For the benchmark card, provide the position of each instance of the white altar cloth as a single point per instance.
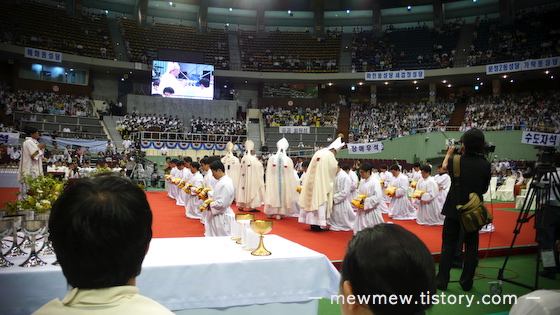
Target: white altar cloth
(197, 273)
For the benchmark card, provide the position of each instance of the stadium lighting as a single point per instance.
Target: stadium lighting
(409, 7)
(347, 11)
(230, 9)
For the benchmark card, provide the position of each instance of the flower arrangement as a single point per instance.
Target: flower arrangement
(358, 202)
(41, 195)
(101, 170)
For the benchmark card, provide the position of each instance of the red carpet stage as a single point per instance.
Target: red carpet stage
(170, 221)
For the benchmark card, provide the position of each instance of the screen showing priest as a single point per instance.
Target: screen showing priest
(182, 80)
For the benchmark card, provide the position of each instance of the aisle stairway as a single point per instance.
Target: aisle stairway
(112, 132)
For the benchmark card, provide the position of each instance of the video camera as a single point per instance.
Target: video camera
(489, 147)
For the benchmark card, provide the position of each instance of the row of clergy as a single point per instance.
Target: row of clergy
(325, 196)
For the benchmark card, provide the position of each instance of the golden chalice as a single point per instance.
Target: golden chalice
(238, 226)
(261, 227)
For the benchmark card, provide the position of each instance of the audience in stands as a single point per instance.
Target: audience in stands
(150, 122)
(538, 111)
(385, 121)
(326, 117)
(37, 102)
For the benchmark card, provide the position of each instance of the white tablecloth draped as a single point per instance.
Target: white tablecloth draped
(195, 273)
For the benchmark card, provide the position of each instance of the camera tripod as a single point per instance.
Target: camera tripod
(538, 194)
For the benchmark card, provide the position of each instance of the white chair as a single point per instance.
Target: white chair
(491, 192)
(505, 192)
(520, 199)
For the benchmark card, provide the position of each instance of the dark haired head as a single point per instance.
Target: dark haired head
(30, 130)
(416, 164)
(100, 227)
(473, 141)
(345, 167)
(187, 159)
(169, 90)
(180, 163)
(395, 167)
(388, 259)
(383, 167)
(366, 167)
(195, 165)
(426, 168)
(217, 165)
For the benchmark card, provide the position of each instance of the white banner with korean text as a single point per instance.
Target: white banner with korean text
(529, 64)
(365, 148)
(294, 129)
(9, 138)
(395, 75)
(43, 54)
(541, 138)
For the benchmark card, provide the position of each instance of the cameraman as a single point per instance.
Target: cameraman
(474, 177)
(548, 220)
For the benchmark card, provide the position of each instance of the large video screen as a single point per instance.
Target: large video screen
(182, 80)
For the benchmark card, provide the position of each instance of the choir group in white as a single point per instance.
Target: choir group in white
(325, 195)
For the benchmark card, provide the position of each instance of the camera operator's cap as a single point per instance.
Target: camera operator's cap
(337, 144)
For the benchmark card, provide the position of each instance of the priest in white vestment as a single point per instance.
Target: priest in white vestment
(400, 208)
(427, 191)
(31, 157)
(317, 189)
(280, 195)
(250, 190)
(232, 164)
(221, 216)
(192, 204)
(385, 178)
(342, 216)
(369, 186)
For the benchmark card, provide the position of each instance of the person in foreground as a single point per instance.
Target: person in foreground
(383, 261)
(474, 178)
(101, 228)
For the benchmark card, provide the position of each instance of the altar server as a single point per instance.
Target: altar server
(385, 178)
(400, 208)
(317, 190)
(369, 215)
(426, 193)
(192, 204)
(221, 215)
(281, 183)
(342, 216)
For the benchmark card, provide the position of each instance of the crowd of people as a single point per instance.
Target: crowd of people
(536, 111)
(136, 122)
(297, 116)
(35, 103)
(217, 126)
(385, 121)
